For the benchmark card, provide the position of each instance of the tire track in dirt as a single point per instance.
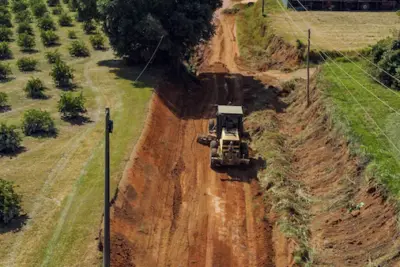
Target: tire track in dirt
(172, 209)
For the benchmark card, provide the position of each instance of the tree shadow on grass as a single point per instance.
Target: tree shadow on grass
(6, 80)
(13, 154)
(78, 120)
(15, 225)
(123, 71)
(4, 109)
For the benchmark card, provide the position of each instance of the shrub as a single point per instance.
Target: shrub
(26, 41)
(72, 5)
(5, 51)
(35, 88)
(66, 2)
(79, 49)
(46, 23)
(18, 6)
(386, 54)
(97, 41)
(49, 38)
(10, 140)
(65, 20)
(39, 9)
(24, 16)
(37, 122)
(5, 17)
(5, 34)
(71, 106)
(25, 27)
(89, 27)
(3, 100)
(10, 201)
(62, 74)
(53, 56)
(5, 71)
(57, 10)
(27, 64)
(72, 34)
(53, 2)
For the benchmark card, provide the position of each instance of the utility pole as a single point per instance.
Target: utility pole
(106, 249)
(263, 7)
(308, 69)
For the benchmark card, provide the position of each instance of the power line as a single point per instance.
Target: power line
(337, 77)
(358, 66)
(151, 58)
(386, 104)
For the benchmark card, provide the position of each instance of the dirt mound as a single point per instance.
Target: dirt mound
(343, 233)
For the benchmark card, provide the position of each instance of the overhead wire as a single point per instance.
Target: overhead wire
(369, 91)
(347, 89)
(359, 54)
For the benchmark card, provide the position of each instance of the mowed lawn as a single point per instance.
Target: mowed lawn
(373, 124)
(61, 178)
(334, 30)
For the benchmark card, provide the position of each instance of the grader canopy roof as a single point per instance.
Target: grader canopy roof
(237, 110)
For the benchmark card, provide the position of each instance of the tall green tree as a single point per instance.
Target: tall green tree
(135, 27)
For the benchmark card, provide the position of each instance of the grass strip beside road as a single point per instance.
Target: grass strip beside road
(366, 138)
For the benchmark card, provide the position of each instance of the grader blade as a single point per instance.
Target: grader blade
(205, 139)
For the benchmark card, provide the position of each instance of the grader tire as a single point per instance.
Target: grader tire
(214, 144)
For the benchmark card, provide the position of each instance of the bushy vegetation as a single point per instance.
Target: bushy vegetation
(62, 74)
(79, 49)
(89, 27)
(71, 106)
(57, 10)
(5, 71)
(53, 56)
(72, 5)
(53, 2)
(5, 51)
(3, 100)
(27, 64)
(49, 38)
(25, 27)
(5, 17)
(46, 23)
(5, 34)
(72, 34)
(134, 28)
(23, 16)
(97, 41)
(35, 88)
(18, 6)
(10, 201)
(386, 55)
(39, 9)
(26, 42)
(10, 140)
(38, 122)
(65, 20)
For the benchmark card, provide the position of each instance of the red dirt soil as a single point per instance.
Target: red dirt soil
(172, 209)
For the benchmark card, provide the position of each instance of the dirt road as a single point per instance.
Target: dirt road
(172, 209)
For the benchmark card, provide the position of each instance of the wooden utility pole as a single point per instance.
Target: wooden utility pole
(263, 7)
(106, 248)
(308, 69)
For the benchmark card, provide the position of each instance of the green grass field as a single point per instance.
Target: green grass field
(61, 178)
(375, 135)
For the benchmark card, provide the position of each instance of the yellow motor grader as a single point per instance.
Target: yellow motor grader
(225, 138)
